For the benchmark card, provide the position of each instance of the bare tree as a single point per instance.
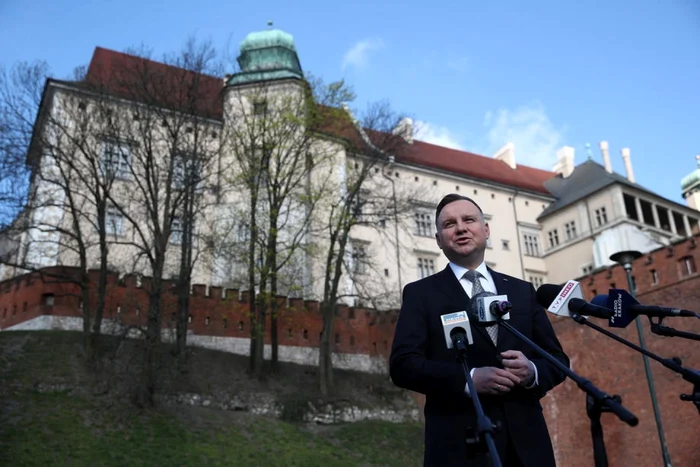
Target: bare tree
(65, 221)
(21, 88)
(272, 134)
(363, 199)
(173, 112)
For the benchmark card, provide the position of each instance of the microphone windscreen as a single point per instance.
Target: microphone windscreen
(600, 300)
(546, 294)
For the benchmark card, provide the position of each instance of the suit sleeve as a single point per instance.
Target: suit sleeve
(409, 367)
(543, 335)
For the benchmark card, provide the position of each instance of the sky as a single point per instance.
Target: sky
(474, 75)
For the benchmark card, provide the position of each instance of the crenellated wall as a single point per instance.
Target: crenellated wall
(218, 318)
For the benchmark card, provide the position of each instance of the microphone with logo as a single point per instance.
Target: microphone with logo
(485, 301)
(567, 303)
(458, 335)
(625, 309)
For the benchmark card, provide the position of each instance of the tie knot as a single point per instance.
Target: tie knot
(472, 275)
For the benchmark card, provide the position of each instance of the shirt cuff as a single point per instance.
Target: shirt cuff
(466, 386)
(535, 379)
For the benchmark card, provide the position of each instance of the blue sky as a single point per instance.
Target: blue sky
(476, 74)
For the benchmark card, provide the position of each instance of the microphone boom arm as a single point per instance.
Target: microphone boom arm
(604, 399)
(661, 330)
(670, 363)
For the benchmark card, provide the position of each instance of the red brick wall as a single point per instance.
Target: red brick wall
(616, 369)
(359, 330)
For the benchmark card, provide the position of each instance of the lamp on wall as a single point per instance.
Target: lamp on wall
(625, 259)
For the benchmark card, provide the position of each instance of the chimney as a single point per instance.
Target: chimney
(628, 163)
(404, 129)
(507, 155)
(565, 164)
(606, 156)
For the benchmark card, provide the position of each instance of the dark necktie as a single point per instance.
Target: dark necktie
(475, 276)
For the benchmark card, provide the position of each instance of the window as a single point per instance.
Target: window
(259, 107)
(601, 217)
(424, 223)
(176, 231)
(359, 258)
(114, 222)
(654, 277)
(359, 204)
(570, 228)
(686, 266)
(116, 159)
(536, 280)
(47, 299)
(505, 244)
(587, 269)
(553, 238)
(532, 244)
(426, 267)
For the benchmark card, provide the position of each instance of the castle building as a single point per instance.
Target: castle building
(547, 226)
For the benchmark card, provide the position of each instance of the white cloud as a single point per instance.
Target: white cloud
(435, 134)
(358, 54)
(528, 127)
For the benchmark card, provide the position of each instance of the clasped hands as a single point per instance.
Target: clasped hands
(517, 371)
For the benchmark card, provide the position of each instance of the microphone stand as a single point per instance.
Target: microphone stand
(673, 364)
(661, 330)
(596, 394)
(484, 428)
(594, 409)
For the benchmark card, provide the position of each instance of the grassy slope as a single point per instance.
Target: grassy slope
(64, 428)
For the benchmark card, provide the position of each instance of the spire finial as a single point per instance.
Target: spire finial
(588, 151)
(269, 24)
(697, 158)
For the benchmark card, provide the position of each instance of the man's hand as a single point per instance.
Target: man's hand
(491, 380)
(517, 364)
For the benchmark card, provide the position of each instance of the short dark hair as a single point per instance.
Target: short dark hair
(451, 198)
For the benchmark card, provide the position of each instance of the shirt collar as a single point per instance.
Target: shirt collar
(460, 270)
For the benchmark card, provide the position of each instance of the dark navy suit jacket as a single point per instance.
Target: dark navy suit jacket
(420, 361)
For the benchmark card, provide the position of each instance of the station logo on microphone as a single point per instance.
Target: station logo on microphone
(454, 318)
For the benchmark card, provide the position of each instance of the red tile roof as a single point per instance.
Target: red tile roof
(123, 75)
(475, 166)
(136, 78)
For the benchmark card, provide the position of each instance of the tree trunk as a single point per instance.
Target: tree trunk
(147, 387)
(325, 363)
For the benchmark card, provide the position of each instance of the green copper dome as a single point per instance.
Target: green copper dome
(269, 38)
(692, 180)
(265, 56)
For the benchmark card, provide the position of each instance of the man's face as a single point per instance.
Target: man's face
(461, 234)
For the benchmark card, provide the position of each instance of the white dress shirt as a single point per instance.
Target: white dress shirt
(489, 286)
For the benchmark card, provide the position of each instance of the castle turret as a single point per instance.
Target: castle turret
(690, 186)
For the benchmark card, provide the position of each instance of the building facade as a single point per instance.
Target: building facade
(546, 226)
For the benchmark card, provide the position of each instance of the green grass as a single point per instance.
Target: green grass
(60, 429)
(79, 428)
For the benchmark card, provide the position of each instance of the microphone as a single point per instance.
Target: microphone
(625, 308)
(490, 308)
(458, 333)
(562, 301)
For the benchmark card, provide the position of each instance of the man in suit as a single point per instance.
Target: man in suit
(508, 376)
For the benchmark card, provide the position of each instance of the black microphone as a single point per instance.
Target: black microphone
(459, 338)
(458, 333)
(563, 301)
(625, 308)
